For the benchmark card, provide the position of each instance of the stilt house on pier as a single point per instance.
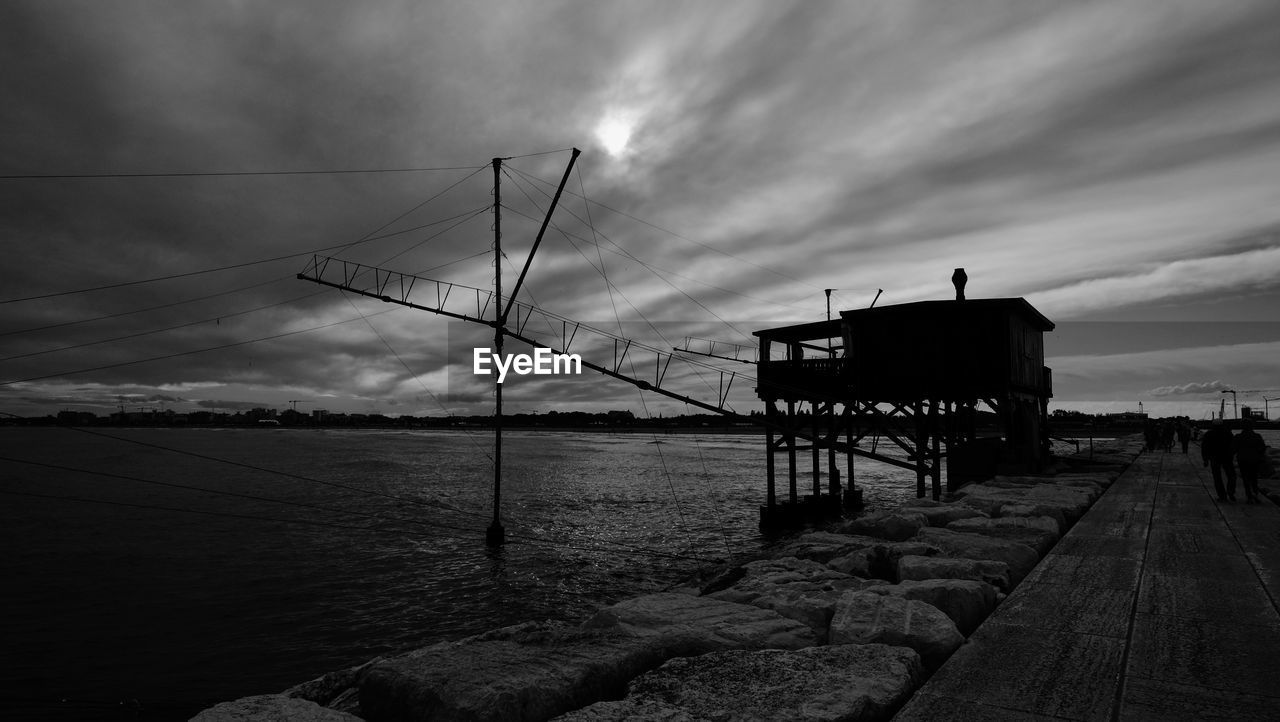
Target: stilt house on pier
(914, 377)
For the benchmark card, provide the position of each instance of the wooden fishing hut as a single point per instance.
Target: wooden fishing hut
(909, 376)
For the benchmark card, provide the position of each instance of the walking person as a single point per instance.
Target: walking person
(1217, 447)
(1150, 435)
(1250, 451)
(1184, 435)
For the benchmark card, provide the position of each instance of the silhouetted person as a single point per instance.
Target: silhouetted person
(1217, 447)
(1166, 436)
(1184, 435)
(1250, 450)
(1150, 434)
(959, 279)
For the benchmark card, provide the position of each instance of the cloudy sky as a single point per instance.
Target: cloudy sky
(1116, 163)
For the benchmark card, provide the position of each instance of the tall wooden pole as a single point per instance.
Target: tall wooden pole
(496, 535)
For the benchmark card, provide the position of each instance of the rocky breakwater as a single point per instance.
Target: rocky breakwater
(842, 624)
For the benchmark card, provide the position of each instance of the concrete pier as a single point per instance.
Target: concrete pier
(1158, 604)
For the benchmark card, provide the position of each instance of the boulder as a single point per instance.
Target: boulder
(630, 708)
(982, 570)
(869, 618)
(939, 513)
(701, 623)
(847, 682)
(1015, 511)
(1025, 521)
(1115, 458)
(967, 602)
(337, 690)
(1102, 479)
(1070, 502)
(897, 525)
(537, 671)
(799, 589)
(1093, 484)
(879, 561)
(1020, 557)
(1038, 532)
(780, 571)
(824, 546)
(272, 708)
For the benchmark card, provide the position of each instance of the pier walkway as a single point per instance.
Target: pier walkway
(1159, 604)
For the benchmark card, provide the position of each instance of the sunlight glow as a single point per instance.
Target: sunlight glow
(613, 134)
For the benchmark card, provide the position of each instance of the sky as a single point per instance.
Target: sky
(167, 169)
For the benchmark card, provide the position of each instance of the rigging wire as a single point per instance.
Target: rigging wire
(288, 475)
(527, 287)
(222, 492)
(219, 317)
(681, 291)
(470, 436)
(468, 216)
(707, 472)
(536, 541)
(666, 472)
(649, 323)
(162, 330)
(372, 235)
(227, 174)
(186, 353)
(438, 505)
(673, 233)
(655, 269)
(545, 152)
(186, 510)
(150, 308)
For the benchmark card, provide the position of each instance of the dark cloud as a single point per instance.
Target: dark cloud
(791, 148)
(232, 405)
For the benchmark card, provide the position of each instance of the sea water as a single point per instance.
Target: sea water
(181, 580)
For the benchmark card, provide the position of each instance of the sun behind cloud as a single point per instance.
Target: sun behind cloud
(613, 134)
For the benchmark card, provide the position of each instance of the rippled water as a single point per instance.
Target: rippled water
(179, 610)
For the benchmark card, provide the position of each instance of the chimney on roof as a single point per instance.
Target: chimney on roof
(958, 279)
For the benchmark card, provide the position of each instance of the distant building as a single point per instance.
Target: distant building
(1248, 412)
(1127, 418)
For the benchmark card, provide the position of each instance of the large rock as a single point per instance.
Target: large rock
(868, 618)
(965, 601)
(1118, 458)
(1020, 557)
(939, 513)
(1020, 510)
(898, 525)
(337, 690)
(822, 546)
(1070, 502)
(1038, 532)
(881, 560)
(537, 671)
(1028, 521)
(272, 708)
(701, 623)
(799, 589)
(982, 570)
(1103, 479)
(1090, 483)
(847, 682)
